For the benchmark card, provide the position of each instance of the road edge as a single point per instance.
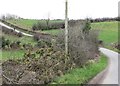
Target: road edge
(100, 76)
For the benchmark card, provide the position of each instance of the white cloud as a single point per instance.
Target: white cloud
(55, 8)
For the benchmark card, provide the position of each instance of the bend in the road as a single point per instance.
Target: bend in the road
(8, 27)
(112, 74)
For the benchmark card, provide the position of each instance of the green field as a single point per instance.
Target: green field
(24, 23)
(82, 75)
(28, 23)
(15, 54)
(108, 31)
(11, 54)
(23, 39)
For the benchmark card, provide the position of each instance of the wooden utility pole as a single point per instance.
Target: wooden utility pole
(66, 27)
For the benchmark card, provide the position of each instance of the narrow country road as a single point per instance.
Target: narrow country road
(112, 74)
(2, 24)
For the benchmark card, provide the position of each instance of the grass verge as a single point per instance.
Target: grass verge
(13, 54)
(23, 39)
(82, 75)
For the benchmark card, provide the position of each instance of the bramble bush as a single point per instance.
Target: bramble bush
(48, 65)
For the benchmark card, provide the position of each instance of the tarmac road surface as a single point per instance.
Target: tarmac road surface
(112, 74)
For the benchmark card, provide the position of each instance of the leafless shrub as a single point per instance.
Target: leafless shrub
(42, 36)
(82, 47)
(36, 37)
(58, 42)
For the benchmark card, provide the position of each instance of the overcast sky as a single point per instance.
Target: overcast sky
(78, 9)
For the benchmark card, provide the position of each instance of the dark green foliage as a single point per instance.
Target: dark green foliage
(1, 42)
(5, 42)
(39, 26)
(48, 25)
(104, 19)
(34, 27)
(18, 42)
(87, 27)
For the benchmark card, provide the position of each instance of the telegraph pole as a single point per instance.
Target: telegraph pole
(66, 27)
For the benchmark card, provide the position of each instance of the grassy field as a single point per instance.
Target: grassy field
(108, 31)
(28, 23)
(23, 39)
(24, 23)
(13, 54)
(82, 75)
